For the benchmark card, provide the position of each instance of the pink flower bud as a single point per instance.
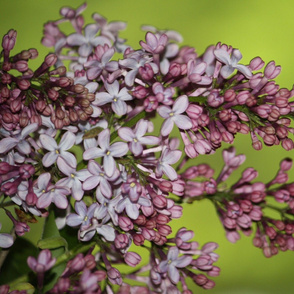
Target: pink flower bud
(287, 144)
(249, 174)
(140, 92)
(132, 259)
(23, 84)
(164, 230)
(256, 63)
(125, 223)
(230, 95)
(148, 234)
(162, 219)
(271, 71)
(9, 40)
(50, 59)
(286, 164)
(194, 111)
(121, 241)
(270, 231)
(138, 239)
(256, 213)
(242, 97)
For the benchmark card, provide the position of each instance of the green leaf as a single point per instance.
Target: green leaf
(52, 243)
(15, 264)
(23, 286)
(51, 231)
(71, 237)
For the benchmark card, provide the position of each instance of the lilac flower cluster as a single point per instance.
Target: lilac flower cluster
(83, 139)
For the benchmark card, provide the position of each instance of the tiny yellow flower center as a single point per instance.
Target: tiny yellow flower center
(171, 114)
(114, 99)
(56, 151)
(86, 218)
(132, 185)
(135, 140)
(108, 152)
(72, 175)
(101, 174)
(43, 191)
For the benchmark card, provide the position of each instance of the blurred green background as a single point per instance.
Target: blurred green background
(257, 28)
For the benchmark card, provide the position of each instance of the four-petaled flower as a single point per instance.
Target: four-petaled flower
(231, 63)
(172, 263)
(107, 151)
(174, 116)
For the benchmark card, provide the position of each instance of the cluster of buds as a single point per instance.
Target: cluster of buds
(74, 143)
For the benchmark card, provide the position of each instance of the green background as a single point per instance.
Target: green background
(257, 28)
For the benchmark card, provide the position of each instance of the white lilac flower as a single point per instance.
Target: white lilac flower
(6, 240)
(19, 140)
(115, 96)
(98, 178)
(136, 137)
(88, 41)
(132, 208)
(174, 116)
(47, 193)
(163, 166)
(231, 63)
(73, 179)
(66, 142)
(172, 263)
(83, 215)
(107, 151)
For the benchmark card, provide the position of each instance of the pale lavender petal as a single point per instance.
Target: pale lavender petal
(77, 191)
(60, 201)
(107, 232)
(149, 140)
(170, 172)
(183, 122)
(183, 261)
(126, 134)
(43, 181)
(244, 70)
(181, 104)
(69, 158)
(93, 73)
(136, 148)
(173, 253)
(132, 211)
(83, 174)
(6, 240)
(91, 30)
(107, 55)
(64, 167)
(49, 158)
(236, 56)
(29, 129)
(222, 55)
(81, 208)
(44, 200)
(113, 88)
(102, 99)
(173, 274)
(76, 40)
(141, 128)
(130, 77)
(93, 153)
(164, 111)
(118, 149)
(85, 50)
(67, 141)
(7, 144)
(124, 95)
(103, 139)
(167, 127)
(144, 202)
(226, 71)
(119, 107)
(163, 266)
(105, 188)
(172, 156)
(74, 220)
(91, 183)
(109, 165)
(88, 236)
(48, 142)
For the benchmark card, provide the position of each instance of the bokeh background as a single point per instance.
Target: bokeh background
(257, 28)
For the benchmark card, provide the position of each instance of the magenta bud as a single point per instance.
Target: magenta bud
(21, 228)
(287, 144)
(132, 259)
(121, 241)
(9, 40)
(175, 69)
(249, 174)
(77, 264)
(23, 84)
(148, 234)
(286, 164)
(31, 199)
(138, 239)
(271, 71)
(26, 171)
(21, 65)
(230, 95)
(194, 111)
(146, 72)
(164, 230)
(50, 59)
(125, 223)
(5, 168)
(242, 97)
(162, 219)
(256, 63)
(140, 92)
